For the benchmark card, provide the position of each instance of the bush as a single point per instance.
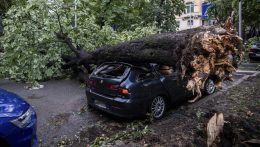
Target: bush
(251, 41)
(32, 52)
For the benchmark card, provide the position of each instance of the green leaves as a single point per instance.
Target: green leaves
(221, 9)
(31, 49)
(125, 14)
(32, 52)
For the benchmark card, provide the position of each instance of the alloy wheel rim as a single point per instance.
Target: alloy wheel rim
(158, 107)
(210, 87)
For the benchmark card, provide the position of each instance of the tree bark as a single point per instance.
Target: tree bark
(197, 53)
(164, 48)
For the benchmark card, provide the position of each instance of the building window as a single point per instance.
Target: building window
(190, 22)
(190, 7)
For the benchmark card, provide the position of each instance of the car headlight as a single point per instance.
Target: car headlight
(24, 119)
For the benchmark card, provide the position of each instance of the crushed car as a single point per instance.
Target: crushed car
(128, 90)
(254, 52)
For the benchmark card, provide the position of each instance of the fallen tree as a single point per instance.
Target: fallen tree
(196, 53)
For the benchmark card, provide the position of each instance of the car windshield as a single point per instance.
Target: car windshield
(112, 70)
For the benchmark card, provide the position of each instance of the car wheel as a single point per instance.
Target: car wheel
(252, 60)
(158, 107)
(209, 87)
(89, 107)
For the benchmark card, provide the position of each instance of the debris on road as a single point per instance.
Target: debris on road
(214, 127)
(34, 86)
(249, 113)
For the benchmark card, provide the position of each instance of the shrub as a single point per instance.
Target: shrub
(31, 50)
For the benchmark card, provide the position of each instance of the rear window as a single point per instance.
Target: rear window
(115, 70)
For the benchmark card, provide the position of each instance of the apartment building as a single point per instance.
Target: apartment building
(195, 15)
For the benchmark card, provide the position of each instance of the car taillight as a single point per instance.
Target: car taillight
(123, 91)
(112, 87)
(91, 83)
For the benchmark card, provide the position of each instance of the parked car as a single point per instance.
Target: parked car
(18, 121)
(254, 53)
(128, 90)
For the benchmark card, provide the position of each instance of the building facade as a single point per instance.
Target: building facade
(194, 16)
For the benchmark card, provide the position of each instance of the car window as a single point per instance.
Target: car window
(142, 75)
(115, 70)
(166, 70)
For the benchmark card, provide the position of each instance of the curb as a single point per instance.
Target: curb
(218, 93)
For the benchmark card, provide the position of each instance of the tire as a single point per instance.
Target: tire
(158, 107)
(235, 61)
(209, 87)
(252, 60)
(89, 107)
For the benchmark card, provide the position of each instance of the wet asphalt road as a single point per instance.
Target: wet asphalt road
(60, 103)
(57, 106)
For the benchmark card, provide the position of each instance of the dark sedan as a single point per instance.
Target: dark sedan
(127, 90)
(254, 53)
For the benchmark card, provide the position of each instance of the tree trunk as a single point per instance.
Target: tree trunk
(197, 53)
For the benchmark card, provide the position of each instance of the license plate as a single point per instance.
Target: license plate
(100, 104)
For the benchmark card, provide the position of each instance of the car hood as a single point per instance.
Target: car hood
(11, 105)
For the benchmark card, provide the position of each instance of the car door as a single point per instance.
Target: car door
(148, 83)
(174, 86)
